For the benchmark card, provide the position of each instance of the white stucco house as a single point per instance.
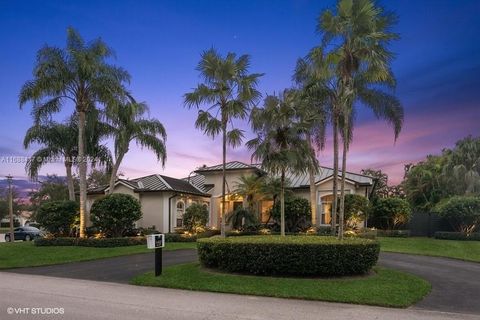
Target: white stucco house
(164, 199)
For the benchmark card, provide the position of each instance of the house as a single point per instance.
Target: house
(164, 199)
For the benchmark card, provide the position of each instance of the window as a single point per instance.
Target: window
(179, 213)
(265, 207)
(326, 209)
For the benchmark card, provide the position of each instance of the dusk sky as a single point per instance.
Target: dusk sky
(159, 43)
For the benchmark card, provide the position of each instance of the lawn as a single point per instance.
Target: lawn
(25, 254)
(385, 287)
(464, 250)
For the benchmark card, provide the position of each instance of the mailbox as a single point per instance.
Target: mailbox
(155, 241)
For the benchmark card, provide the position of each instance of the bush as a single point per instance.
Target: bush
(298, 214)
(390, 213)
(91, 242)
(462, 212)
(457, 236)
(115, 213)
(195, 217)
(393, 233)
(355, 208)
(243, 219)
(57, 217)
(182, 237)
(291, 255)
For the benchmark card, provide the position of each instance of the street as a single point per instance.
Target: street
(83, 299)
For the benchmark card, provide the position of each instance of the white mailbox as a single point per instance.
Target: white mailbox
(155, 241)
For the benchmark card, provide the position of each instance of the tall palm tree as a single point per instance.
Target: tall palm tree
(228, 91)
(78, 74)
(316, 75)
(359, 32)
(280, 144)
(59, 140)
(129, 124)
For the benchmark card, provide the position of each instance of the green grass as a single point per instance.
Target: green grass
(384, 288)
(25, 254)
(463, 250)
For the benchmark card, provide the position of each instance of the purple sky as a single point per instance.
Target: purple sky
(159, 43)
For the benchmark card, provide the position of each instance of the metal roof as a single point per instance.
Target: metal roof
(232, 165)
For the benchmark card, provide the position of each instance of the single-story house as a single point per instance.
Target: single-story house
(164, 199)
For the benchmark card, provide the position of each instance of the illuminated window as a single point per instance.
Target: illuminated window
(265, 207)
(179, 214)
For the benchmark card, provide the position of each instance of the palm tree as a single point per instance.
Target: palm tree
(250, 188)
(272, 188)
(280, 144)
(60, 141)
(316, 75)
(229, 92)
(360, 33)
(129, 124)
(78, 74)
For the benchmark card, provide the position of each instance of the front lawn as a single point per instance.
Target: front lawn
(386, 287)
(464, 250)
(26, 254)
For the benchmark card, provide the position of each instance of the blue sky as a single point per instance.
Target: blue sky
(159, 43)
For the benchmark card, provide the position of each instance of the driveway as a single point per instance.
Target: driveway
(455, 283)
(84, 299)
(117, 269)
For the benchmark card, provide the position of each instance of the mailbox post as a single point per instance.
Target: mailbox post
(157, 242)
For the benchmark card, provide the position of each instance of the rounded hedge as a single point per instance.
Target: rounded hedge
(290, 255)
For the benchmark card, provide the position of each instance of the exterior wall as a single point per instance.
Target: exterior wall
(215, 178)
(153, 211)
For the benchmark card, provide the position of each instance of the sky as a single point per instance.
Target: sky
(437, 66)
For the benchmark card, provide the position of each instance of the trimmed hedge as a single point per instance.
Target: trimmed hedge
(457, 236)
(91, 242)
(393, 233)
(290, 255)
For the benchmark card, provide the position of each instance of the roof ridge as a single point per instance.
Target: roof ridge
(159, 176)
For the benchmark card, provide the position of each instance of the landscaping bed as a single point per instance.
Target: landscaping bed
(290, 255)
(388, 288)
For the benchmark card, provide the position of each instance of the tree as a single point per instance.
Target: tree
(356, 207)
(380, 184)
(57, 217)
(98, 178)
(360, 33)
(115, 213)
(242, 219)
(195, 217)
(78, 74)
(280, 144)
(251, 189)
(228, 91)
(390, 213)
(128, 123)
(297, 214)
(52, 188)
(463, 212)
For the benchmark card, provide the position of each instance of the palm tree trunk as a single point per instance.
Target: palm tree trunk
(224, 178)
(335, 175)
(342, 192)
(113, 175)
(282, 204)
(313, 200)
(70, 186)
(82, 166)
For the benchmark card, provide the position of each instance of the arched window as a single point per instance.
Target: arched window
(179, 213)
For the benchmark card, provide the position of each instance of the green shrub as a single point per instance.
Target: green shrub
(57, 217)
(298, 214)
(324, 230)
(243, 219)
(115, 213)
(463, 212)
(195, 217)
(91, 242)
(356, 207)
(457, 236)
(393, 233)
(291, 255)
(389, 213)
(182, 237)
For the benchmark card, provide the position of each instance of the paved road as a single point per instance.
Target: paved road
(455, 283)
(118, 269)
(84, 299)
